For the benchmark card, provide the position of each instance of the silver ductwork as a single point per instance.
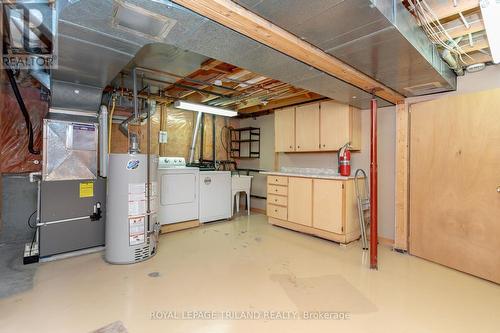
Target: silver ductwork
(74, 96)
(378, 38)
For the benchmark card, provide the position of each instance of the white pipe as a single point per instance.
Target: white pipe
(103, 141)
(195, 136)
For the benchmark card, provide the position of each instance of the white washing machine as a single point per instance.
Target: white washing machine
(178, 185)
(215, 195)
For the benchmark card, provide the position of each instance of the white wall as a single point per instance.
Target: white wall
(266, 160)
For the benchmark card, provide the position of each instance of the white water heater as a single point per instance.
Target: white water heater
(132, 226)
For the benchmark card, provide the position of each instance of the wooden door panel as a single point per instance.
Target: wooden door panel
(454, 174)
(284, 130)
(307, 129)
(300, 200)
(328, 200)
(334, 125)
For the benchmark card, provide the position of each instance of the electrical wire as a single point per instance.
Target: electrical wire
(433, 28)
(29, 220)
(33, 240)
(22, 106)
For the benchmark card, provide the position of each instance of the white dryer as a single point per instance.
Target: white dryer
(179, 186)
(215, 195)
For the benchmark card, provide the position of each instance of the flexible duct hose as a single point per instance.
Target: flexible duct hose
(22, 106)
(110, 126)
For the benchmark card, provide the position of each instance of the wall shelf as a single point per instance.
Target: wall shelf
(246, 139)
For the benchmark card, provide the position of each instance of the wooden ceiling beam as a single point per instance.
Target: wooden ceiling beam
(280, 103)
(237, 18)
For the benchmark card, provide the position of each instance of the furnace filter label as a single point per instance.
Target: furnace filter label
(137, 228)
(86, 190)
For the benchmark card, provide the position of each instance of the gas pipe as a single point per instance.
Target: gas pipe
(345, 160)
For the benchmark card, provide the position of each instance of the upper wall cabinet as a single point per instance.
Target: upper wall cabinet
(321, 126)
(284, 130)
(339, 124)
(307, 127)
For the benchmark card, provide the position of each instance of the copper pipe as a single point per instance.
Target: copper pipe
(373, 186)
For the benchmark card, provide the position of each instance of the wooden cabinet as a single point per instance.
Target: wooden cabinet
(277, 180)
(307, 131)
(320, 126)
(328, 198)
(322, 207)
(277, 197)
(284, 130)
(339, 124)
(300, 200)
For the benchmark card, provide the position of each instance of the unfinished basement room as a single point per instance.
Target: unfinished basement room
(250, 166)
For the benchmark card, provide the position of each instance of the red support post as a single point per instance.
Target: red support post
(373, 185)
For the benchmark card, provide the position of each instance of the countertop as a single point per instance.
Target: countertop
(306, 175)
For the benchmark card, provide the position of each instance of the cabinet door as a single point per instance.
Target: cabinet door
(328, 199)
(334, 125)
(284, 130)
(300, 200)
(307, 129)
(355, 128)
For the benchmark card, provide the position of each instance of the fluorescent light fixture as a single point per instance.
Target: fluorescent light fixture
(490, 10)
(204, 108)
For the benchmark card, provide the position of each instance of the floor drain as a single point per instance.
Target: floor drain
(154, 274)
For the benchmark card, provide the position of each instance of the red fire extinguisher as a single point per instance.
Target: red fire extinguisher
(344, 158)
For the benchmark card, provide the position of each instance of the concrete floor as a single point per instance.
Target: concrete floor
(248, 265)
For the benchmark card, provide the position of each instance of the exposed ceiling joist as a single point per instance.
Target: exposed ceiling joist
(461, 30)
(445, 9)
(479, 45)
(237, 18)
(477, 57)
(306, 97)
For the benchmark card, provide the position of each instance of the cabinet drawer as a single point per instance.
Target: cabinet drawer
(277, 180)
(277, 212)
(277, 200)
(276, 189)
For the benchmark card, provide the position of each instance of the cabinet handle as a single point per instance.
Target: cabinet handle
(275, 210)
(323, 145)
(275, 200)
(290, 146)
(498, 189)
(298, 146)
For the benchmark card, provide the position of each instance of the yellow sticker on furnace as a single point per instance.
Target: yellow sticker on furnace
(86, 190)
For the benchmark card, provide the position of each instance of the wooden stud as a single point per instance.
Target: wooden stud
(237, 18)
(402, 156)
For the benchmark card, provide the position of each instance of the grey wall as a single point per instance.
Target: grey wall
(18, 202)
